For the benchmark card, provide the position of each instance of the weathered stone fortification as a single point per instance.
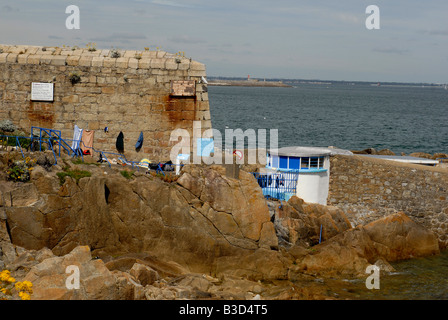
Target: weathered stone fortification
(130, 93)
(369, 189)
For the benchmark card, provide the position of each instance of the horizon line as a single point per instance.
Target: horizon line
(328, 80)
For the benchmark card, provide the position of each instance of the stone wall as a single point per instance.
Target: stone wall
(368, 189)
(130, 93)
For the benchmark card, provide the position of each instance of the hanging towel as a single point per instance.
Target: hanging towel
(77, 134)
(120, 143)
(139, 143)
(87, 142)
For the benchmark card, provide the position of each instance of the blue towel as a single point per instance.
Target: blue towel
(139, 143)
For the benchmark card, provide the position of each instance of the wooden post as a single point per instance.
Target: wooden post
(233, 169)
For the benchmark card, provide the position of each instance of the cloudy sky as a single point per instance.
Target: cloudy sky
(285, 38)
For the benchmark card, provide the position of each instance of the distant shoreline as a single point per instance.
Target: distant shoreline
(278, 82)
(248, 83)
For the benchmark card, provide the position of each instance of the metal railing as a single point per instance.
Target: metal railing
(52, 138)
(103, 156)
(34, 143)
(277, 185)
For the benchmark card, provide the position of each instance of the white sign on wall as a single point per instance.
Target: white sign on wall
(42, 91)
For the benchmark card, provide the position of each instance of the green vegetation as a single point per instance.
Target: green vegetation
(80, 161)
(8, 133)
(75, 174)
(10, 140)
(77, 161)
(91, 46)
(114, 53)
(74, 78)
(127, 174)
(20, 170)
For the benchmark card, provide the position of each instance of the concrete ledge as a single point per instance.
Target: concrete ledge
(133, 63)
(159, 60)
(85, 61)
(33, 59)
(22, 58)
(58, 60)
(97, 61)
(197, 66)
(122, 62)
(73, 60)
(12, 58)
(144, 63)
(158, 64)
(45, 59)
(3, 57)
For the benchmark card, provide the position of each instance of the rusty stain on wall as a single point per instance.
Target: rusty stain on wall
(183, 88)
(41, 113)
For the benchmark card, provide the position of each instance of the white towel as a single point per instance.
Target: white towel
(77, 135)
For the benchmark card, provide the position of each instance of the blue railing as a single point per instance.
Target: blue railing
(277, 185)
(35, 143)
(5, 142)
(53, 137)
(159, 167)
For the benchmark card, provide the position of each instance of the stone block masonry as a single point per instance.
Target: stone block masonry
(130, 93)
(368, 189)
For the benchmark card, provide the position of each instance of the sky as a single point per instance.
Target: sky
(290, 39)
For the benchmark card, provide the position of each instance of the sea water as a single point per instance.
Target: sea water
(350, 116)
(414, 279)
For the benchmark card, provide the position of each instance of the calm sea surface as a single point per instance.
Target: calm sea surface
(415, 279)
(355, 117)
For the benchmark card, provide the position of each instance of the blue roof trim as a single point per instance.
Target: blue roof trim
(313, 170)
(298, 170)
(282, 169)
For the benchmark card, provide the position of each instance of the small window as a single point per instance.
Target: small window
(274, 162)
(294, 163)
(321, 162)
(284, 162)
(304, 163)
(312, 163)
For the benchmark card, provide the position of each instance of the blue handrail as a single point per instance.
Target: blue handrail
(20, 146)
(277, 185)
(320, 234)
(17, 142)
(55, 136)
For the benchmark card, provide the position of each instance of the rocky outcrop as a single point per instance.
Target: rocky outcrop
(140, 277)
(398, 237)
(202, 236)
(96, 282)
(203, 221)
(375, 152)
(395, 237)
(300, 223)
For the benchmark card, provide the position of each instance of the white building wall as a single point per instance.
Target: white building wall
(313, 186)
